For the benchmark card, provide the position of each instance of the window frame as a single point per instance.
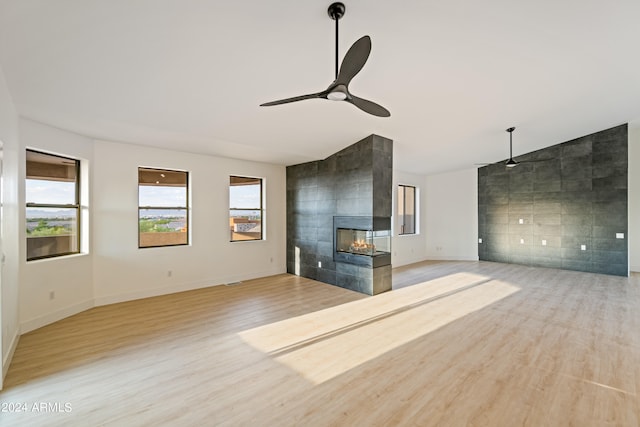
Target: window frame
(77, 206)
(184, 208)
(260, 209)
(402, 218)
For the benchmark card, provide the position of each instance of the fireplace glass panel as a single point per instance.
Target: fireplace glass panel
(363, 242)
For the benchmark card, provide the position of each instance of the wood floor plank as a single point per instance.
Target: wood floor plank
(455, 343)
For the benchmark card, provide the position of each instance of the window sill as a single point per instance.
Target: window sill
(58, 258)
(408, 235)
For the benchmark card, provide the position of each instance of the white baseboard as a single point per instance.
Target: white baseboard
(148, 293)
(6, 360)
(49, 318)
(52, 317)
(154, 292)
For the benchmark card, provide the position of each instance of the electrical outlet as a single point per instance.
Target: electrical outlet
(522, 241)
(479, 240)
(52, 295)
(583, 247)
(619, 235)
(169, 273)
(544, 243)
(319, 264)
(521, 221)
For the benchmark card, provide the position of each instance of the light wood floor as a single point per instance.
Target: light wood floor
(455, 344)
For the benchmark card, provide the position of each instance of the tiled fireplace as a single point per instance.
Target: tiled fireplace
(339, 217)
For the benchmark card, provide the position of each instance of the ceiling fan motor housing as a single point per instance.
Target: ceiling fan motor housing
(336, 10)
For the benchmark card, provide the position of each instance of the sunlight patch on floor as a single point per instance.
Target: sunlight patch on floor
(324, 344)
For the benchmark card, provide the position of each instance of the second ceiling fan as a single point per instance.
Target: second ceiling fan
(511, 163)
(352, 63)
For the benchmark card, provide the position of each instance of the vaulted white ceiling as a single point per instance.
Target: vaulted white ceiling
(190, 74)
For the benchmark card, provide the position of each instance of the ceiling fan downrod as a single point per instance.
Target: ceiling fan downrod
(336, 11)
(511, 163)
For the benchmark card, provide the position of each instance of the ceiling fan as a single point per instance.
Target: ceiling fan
(512, 163)
(352, 63)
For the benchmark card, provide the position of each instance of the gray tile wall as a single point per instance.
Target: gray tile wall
(569, 195)
(356, 181)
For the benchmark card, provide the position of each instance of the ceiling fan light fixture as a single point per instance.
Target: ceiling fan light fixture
(337, 96)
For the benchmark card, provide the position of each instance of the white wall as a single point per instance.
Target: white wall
(122, 271)
(452, 216)
(447, 218)
(407, 249)
(9, 270)
(70, 277)
(112, 268)
(634, 195)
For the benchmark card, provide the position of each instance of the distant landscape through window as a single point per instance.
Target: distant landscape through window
(52, 205)
(163, 207)
(245, 208)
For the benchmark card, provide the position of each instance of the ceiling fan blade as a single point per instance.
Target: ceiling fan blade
(294, 99)
(368, 106)
(354, 60)
(536, 160)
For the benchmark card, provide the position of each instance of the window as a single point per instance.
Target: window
(245, 208)
(407, 209)
(52, 193)
(163, 218)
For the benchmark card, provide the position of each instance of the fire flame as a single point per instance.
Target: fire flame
(362, 246)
